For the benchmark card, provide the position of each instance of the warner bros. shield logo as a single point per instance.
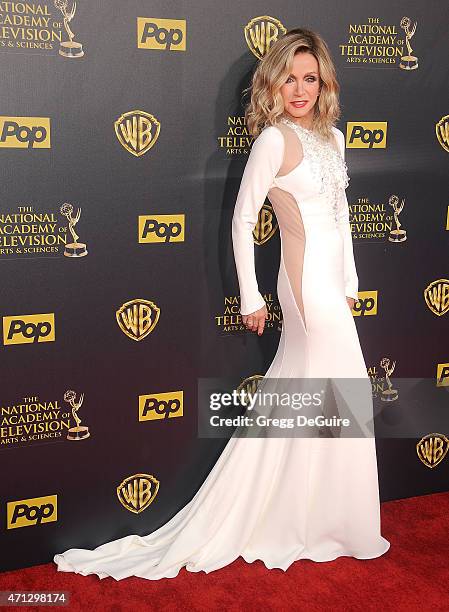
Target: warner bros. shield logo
(137, 318)
(432, 449)
(137, 131)
(137, 492)
(266, 224)
(261, 32)
(437, 296)
(442, 131)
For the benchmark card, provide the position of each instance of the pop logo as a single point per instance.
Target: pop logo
(161, 228)
(443, 375)
(30, 512)
(25, 132)
(26, 329)
(161, 405)
(366, 304)
(366, 135)
(164, 34)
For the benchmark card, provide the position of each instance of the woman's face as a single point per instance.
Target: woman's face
(300, 91)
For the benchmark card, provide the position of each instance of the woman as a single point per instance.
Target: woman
(281, 499)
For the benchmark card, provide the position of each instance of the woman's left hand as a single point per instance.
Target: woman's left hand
(351, 302)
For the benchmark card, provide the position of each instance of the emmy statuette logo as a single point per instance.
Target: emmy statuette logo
(68, 48)
(398, 234)
(137, 131)
(79, 432)
(432, 449)
(136, 492)
(390, 394)
(75, 248)
(408, 62)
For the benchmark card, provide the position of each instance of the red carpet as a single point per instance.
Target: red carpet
(412, 575)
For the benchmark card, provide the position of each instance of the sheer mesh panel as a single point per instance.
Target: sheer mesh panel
(293, 240)
(293, 154)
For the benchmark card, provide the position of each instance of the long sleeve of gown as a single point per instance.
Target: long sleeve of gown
(350, 271)
(262, 165)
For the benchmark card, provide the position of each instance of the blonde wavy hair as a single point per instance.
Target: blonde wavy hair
(266, 104)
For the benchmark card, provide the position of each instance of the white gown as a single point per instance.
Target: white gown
(278, 499)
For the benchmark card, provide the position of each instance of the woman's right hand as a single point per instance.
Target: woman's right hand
(255, 321)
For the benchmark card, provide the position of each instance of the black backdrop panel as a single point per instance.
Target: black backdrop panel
(59, 493)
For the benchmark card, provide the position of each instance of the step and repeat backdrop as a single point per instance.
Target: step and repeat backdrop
(122, 145)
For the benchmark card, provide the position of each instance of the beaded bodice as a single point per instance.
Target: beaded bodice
(328, 167)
